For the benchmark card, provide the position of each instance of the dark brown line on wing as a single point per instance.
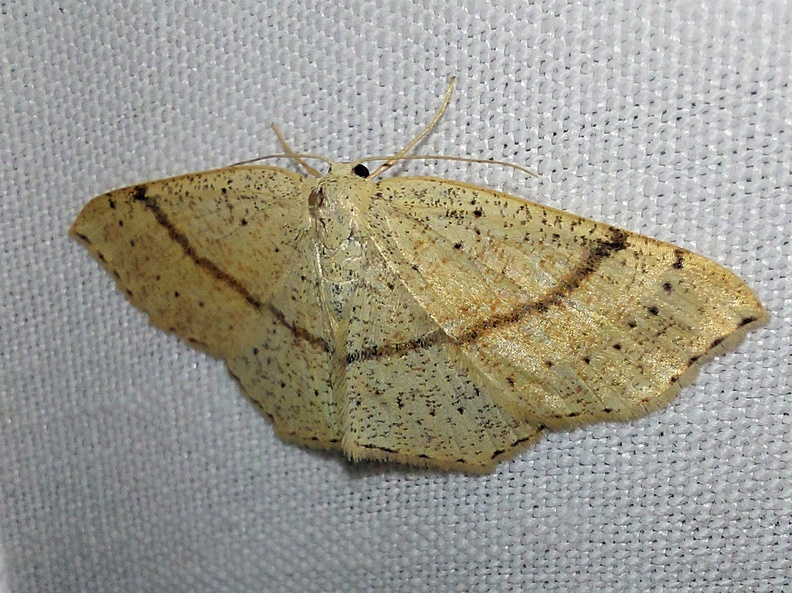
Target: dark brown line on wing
(602, 250)
(387, 350)
(568, 284)
(297, 331)
(151, 203)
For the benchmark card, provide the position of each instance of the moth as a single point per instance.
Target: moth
(415, 319)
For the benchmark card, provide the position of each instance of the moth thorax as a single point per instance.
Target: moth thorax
(335, 222)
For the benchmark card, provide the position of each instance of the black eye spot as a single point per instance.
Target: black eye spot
(361, 171)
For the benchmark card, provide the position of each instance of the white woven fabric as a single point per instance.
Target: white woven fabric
(129, 462)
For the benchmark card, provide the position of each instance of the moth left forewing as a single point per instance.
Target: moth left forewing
(224, 260)
(198, 253)
(575, 321)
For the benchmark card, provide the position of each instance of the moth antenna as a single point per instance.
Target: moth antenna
(293, 155)
(440, 157)
(421, 135)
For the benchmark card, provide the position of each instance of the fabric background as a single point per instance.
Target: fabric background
(129, 462)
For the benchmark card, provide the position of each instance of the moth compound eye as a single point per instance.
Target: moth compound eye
(361, 171)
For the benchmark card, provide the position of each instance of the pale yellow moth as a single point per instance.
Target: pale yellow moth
(416, 319)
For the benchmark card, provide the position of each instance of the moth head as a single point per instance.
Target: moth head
(349, 170)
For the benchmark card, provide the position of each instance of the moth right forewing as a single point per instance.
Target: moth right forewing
(576, 321)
